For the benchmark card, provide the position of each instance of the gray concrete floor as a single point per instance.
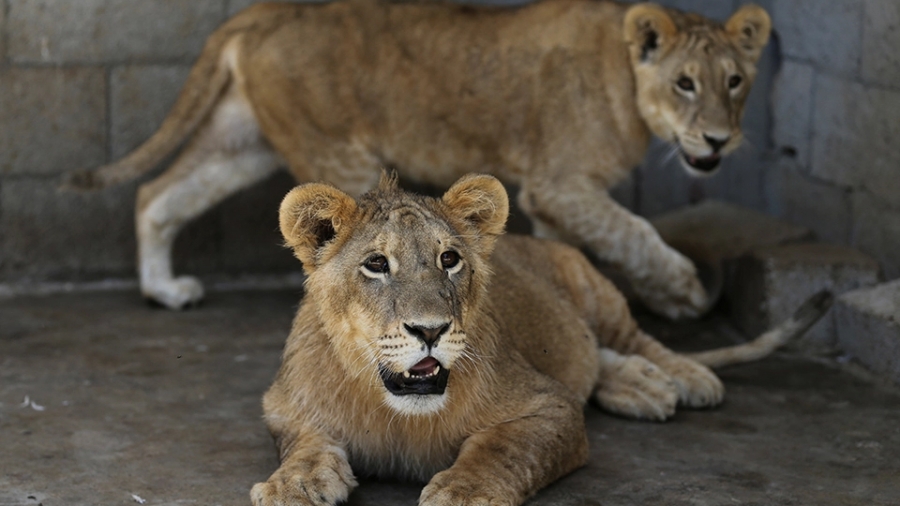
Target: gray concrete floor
(167, 406)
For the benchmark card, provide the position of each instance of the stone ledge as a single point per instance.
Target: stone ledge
(767, 284)
(715, 229)
(868, 327)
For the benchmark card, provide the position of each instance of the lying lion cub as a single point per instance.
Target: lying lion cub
(418, 353)
(559, 97)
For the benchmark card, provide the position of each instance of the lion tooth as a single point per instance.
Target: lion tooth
(406, 374)
(437, 369)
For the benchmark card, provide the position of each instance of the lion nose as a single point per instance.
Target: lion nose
(716, 142)
(428, 335)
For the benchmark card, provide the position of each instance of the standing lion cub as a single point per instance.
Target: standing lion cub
(428, 347)
(559, 97)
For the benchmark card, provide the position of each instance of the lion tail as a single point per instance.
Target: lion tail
(802, 319)
(207, 80)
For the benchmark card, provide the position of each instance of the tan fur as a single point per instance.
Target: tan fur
(530, 332)
(559, 97)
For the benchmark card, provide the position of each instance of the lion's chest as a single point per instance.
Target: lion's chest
(402, 449)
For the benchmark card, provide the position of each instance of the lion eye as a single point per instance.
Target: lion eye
(377, 264)
(734, 82)
(686, 83)
(449, 259)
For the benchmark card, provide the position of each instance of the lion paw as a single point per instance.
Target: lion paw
(451, 488)
(676, 293)
(175, 293)
(638, 388)
(698, 386)
(322, 481)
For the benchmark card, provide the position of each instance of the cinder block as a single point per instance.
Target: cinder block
(101, 31)
(663, 184)
(2, 35)
(881, 38)
(235, 6)
(724, 231)
(876, 231)
(198, 246)
(769, 284)
(740, 180)
(251, 240)
(51, 120)
(140, 98)
(792, 108)
(62, 236)
(868, 327)
(826, 33)
(50, 236)
(853, 131)
(715, 9)
(840, 112)
(801, 199)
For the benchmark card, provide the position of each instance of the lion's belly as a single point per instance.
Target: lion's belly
(560, 345)
(539, 319)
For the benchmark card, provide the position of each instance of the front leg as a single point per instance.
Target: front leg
(510, 461)
(578, 207)
(314, 471)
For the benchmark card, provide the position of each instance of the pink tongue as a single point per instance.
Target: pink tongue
(425, 366)
(712, 157)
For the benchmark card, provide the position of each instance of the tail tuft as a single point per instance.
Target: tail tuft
(813, 309)
(806, 315)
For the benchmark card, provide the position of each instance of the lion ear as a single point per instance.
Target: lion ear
(648, 29)
(480, 201)
(749, 28)
(310, 216)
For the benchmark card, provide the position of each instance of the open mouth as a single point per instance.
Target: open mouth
(427, 377)
(706, 164)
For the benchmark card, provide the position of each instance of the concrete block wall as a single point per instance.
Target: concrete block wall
(836, 121)
(83, 82)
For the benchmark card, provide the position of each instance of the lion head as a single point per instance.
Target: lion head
(693, 76)
(397, 278)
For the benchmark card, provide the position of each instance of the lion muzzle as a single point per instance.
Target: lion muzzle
(426, 377)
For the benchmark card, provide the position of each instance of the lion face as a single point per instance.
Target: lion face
(693, 77)
(395, 278)
(404, 280)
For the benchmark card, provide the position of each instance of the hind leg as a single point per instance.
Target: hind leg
(638, 374)
(632, 386)
(226, 155)
(696, 384)
(166, 205)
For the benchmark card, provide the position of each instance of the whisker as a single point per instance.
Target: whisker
(673, 151)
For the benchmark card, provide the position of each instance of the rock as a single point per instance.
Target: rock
(868, 327)
(767, 284)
